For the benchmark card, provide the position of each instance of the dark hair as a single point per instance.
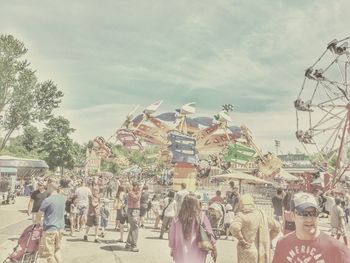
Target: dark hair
(74, 197)
(183, 185)
(189, 213)
(171, 194)
(279, 191)
(287, 200)
(337, 201)
(145, 187)
(218, 193)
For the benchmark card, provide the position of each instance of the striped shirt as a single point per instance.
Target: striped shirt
(134, 199)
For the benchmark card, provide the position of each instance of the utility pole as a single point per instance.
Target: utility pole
(277, 145)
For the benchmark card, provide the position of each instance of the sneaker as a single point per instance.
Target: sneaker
(97, 240)
(134, 249)
(127, 246)
(102, 235)
(85, 238)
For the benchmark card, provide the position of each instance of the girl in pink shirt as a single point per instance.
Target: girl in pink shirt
(184, 233)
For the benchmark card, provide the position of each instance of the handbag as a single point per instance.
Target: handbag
(204, 241)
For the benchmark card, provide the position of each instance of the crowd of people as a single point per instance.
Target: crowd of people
(82, 204)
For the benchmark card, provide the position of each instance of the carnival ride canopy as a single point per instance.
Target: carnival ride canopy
(242, 177)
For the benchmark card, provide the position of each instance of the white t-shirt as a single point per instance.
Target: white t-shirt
(83, 193)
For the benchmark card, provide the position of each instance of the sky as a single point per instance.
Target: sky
(108, 56)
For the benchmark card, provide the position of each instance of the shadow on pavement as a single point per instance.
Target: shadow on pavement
(13, 238)
(115, 248)
(156, 238)
(111, 241)
(75, 240)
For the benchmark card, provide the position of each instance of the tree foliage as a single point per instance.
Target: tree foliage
(23, 99)
(57, 145)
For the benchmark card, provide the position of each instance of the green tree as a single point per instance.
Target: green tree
(58, 147)
(31, 138)
(23, 99)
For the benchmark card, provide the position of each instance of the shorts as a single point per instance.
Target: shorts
(50, 243)
(121, 217)
(104, 222)
(82, 210)
(93, 220)
(338, 231)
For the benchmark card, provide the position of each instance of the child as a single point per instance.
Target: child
(228, 219)
(104, 217)
(73, 214)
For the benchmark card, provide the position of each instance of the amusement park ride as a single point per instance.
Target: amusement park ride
(182, 139)
(323, 110)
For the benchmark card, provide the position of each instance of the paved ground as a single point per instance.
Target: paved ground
(14, 220)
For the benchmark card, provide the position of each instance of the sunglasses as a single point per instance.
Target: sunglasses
(308, 214)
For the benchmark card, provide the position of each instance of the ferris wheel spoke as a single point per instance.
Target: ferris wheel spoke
(336, 136)
(324, 119)
(319, 59)
(303, 85)
(328, 89)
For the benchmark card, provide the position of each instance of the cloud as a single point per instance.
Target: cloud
(106, 56)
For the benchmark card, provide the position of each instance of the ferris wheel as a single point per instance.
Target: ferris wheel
(323, 109)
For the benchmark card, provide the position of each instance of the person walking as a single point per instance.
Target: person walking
(120, 206)
(52, 209)
(184, 233)
(104, 211)
(155, 208)
(73, 214)
(83, 193)
(277, 204)
(143, 205)
(93, 215)
(36, 198)
(168, 213)
(134, 197)
(254, 231)
(308, 243)
(338, 221)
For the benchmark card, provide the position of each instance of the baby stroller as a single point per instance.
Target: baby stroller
(216, 214)
(27, 248)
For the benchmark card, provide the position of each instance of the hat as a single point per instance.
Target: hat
(302, 201)
(228, 207)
